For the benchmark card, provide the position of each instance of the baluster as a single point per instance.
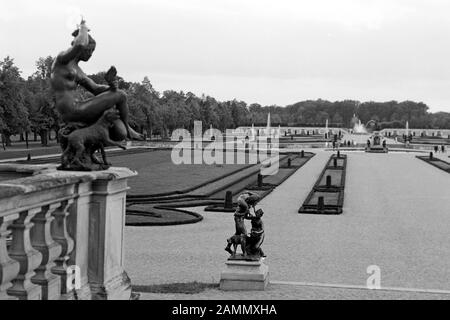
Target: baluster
(42, 240)
(9, 268)
(61, 236)
(28, 257)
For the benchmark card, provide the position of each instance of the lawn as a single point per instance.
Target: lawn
(158, 174)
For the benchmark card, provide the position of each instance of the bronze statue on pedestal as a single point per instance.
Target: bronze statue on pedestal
(250, 243)
(66, 76)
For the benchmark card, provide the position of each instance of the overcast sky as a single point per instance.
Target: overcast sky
(270, 52)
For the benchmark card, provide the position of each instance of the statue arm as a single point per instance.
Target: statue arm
(91, 86)
(253, 194)
(248, 215)
(81, 40)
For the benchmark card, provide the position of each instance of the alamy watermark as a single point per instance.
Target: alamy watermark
(374, 280)
(73, 281)
(234, 147)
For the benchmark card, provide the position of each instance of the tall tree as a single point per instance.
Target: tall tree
(41, 102)
(13, 113)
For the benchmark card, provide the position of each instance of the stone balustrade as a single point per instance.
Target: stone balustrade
(61, 234)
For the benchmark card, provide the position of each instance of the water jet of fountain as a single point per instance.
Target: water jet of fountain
(359, 128)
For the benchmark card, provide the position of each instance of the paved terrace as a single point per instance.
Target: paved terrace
(396, 215)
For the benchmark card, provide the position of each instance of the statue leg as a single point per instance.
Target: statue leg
(91, 109)
(228, 247)
(261, 253)
(93, 157)
(105, 161)
(65, 157)
(76, 161)
(115, 144)
(122, 106)
(256, 245)
(244, 244)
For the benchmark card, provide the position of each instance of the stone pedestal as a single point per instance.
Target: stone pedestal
(107, 278)
(78, 228)
(244, 275)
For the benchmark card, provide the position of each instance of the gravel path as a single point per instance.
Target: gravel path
(195, 252)
(292, 292)
(395, 216)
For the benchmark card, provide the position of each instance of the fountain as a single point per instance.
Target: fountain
(327, 133)
(375, 144)
(407, 137)
(359, 128)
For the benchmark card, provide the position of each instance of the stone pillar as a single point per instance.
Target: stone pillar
(9, 268)
(107, 278)
(78, 228)
(42, 240)
(28, 257)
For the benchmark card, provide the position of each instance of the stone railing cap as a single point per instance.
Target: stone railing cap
(47, 177)
(26, 168)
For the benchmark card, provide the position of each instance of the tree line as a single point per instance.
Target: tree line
(27, 108)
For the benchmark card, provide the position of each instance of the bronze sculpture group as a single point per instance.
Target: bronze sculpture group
(92, 124)
(250, 243)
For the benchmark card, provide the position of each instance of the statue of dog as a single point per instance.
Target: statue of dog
(81, 144)
(237, 240)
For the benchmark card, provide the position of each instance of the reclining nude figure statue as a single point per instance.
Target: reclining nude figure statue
(66, 75)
